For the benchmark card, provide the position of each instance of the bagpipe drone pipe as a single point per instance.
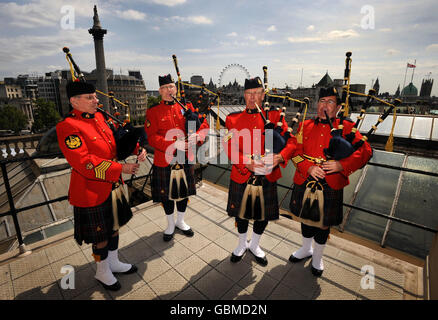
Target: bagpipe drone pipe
(125, 135)
(341, 147)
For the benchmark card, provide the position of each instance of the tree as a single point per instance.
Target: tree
(11, 118)
(153, 100)
(45, 116)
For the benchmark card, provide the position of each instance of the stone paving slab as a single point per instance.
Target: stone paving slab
(199, 267)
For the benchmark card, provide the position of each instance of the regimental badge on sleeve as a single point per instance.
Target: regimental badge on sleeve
(73, 142)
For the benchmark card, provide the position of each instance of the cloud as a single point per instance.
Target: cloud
(432, 47)
(131, 15)
(272, 28)
(232, 34)
(251, 38)
(43, 13)
(169, 3)
(330, 36)
(338, 34)
(125, 57)
(24, 48)
(385, 30)
(392, 52)
(193, 19)
(310, 28)
(265, 42)
(195, 50)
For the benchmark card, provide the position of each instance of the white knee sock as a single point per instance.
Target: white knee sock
(180, 221)
(305, 250)
(241, 248)
(170, 224)
(254, 245)
(115, 264)
(104, 274)
(317, 256)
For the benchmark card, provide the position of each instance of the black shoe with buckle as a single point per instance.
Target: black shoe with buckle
(294, 259)
(167, 237)
(235, 258)
(188, 233)
(260, 260)
(132, 270)
(114, 287)
(316, 272)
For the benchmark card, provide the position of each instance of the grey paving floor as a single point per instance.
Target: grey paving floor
(199, 267)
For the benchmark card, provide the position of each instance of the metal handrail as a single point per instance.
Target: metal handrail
(413, 224)
(14, 211)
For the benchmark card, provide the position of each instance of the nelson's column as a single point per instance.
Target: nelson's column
(98, 34)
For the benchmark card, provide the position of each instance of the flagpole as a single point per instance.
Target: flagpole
(404, 81)
(415, 64)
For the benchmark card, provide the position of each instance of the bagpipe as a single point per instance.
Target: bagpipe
(340, 147)
(276, 132)
(178, 188)
(252, 205)
(125, 135)
(196, 116)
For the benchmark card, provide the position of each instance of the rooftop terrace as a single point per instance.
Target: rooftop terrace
(199, 268)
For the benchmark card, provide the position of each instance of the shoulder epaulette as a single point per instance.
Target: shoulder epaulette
(235, 112)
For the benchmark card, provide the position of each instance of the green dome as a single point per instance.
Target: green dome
(409, 90)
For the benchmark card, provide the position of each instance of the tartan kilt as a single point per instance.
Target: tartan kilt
(161, 181)
(333, 203)
(270, 195)
(93, 224)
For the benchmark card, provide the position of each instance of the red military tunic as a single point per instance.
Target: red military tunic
(250, 121)
(316, 137)
(160, 119)
(89, 147)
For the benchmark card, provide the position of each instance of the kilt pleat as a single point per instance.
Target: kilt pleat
(235, 195)
(93, 224)
(333, 203)
(161, 181)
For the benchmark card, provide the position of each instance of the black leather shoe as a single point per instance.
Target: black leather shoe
(235, 258)
(132, 270)
(261, 261)
(114, 287)
(167, 237)
(316, 272)
(188, 233)
(294, 259)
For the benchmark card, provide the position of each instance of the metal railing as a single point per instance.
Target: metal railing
(13, 211)
(379, 214)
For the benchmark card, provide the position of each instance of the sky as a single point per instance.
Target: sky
(299, 41)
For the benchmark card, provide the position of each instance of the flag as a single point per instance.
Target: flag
(411, 65)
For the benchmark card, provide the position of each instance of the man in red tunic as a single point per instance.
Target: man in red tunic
(166, 130)
(312, 164)
(245, 146)
(88, 145)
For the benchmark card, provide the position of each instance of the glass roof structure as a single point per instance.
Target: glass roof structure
(406, 126)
